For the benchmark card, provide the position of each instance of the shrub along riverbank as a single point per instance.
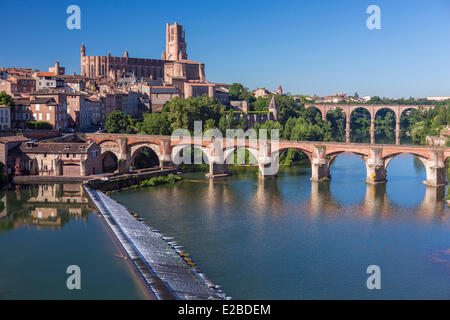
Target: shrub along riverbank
(155, 181)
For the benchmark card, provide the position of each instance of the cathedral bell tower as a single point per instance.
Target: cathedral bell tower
(175, 43)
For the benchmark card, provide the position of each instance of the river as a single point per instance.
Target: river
(46, 228)
(290, 238)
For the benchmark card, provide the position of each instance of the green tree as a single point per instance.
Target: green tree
(155, 124)
(118, 122)
(182, 113)
(238, 92)
(6, 99)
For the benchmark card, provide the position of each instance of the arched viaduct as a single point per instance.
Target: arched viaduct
(372, 109)
(219, 153)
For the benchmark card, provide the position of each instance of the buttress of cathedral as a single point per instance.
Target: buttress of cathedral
(173, 68)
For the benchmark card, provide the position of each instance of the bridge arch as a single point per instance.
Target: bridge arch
(403, 120)
(386, 134)
(360, 118)
(423, 156)
(110, 162)
(320, 108)
(394, 109)
(277, 154)
(111, 146)
(332, 156)
(178, 157)
(137, 147)
(144, 157)
(337, 118)
(230, 152)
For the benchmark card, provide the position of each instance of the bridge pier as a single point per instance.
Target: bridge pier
(217, 170)
(320, 169)
(435, 169)
(266, 171)
(372, 130)
(375, 167)
(347, 128)
(397, 132)
(123, 162)
(165, 159)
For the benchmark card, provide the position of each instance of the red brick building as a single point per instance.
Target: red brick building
(16, 85)
(73, 159)
(51, 107)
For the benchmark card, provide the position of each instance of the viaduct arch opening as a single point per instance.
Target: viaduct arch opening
(360, 125)
(406, 119)
(337, 120)
(385, 126)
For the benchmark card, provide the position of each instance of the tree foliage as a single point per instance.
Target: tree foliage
(182, 113)
(6, 99)
(39, 125)
(154, 124)
(118, 122)
(238, 92)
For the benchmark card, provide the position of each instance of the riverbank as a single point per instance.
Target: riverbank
(167, 273)
(152, 182)
(127, 180)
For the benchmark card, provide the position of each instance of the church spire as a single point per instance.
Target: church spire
(83, 50)
(126, 53)
(163, 56)
(280, 90)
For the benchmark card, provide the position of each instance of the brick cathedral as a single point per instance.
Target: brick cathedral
(173, 68)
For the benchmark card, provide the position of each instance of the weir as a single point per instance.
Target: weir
(164, 271)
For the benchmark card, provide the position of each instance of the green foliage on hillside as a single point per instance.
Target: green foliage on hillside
(238, 92)
(431, 122)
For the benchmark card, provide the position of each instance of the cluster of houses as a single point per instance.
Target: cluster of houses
(338, 98)
(73, 101)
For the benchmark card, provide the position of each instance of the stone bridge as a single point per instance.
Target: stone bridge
(219, 153)
(372, 109)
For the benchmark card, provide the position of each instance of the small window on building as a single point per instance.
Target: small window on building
(67, 155)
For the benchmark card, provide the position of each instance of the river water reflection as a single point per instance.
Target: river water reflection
(46, 228)
(290, 238)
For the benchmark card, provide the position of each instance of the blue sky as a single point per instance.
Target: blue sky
(311, 47)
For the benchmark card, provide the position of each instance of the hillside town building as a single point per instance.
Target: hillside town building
(73, 159)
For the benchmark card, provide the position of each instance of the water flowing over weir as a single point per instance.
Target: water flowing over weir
(165, 272)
